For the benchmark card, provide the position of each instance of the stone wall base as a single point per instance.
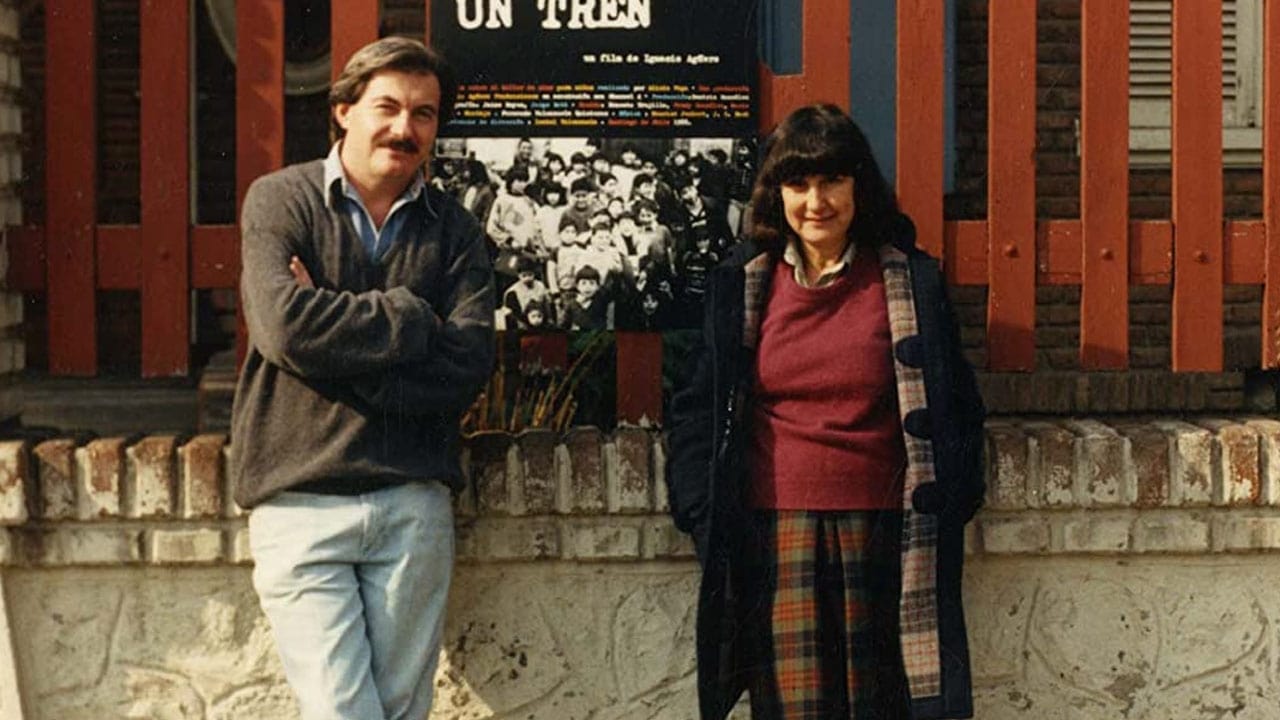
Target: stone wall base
(1052, 637)
(1120, 569)
(1091, 637)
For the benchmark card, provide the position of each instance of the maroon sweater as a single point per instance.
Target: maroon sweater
(825, 427)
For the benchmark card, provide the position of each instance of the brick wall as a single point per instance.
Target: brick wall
(1058, 385)
(1205, 484)
(1163, 486)
(12, 356)
(164, 500)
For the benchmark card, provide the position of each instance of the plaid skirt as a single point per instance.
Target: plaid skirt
(821, 591)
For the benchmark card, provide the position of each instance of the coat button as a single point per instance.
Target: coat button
(910, 351)
(917, 423)
(927, 498)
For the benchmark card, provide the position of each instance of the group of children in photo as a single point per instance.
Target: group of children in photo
(605, 240)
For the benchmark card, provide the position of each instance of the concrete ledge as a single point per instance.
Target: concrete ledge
(1064, 487)
(1066, 464)
(163, 478)
(630, 539)
(638, 538)
(1031, 465)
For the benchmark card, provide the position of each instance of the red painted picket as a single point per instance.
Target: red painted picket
(165, 188)
(1197, 187)
(69, 256)
(1271, 185)
(920, 115)
(71, 161)
(1104, 188)
(1011, 186)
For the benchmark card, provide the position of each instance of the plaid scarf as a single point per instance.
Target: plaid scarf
(917, 612)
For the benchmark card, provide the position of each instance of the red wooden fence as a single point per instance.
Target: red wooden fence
(71, 257)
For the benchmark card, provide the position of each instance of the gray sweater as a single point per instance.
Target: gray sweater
(360, 382)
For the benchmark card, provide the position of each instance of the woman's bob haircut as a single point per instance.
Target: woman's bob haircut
(820, 140)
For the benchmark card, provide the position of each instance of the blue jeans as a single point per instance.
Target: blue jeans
(355, 590)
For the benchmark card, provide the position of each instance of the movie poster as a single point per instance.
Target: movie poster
(607, 148)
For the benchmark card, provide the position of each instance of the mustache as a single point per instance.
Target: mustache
(402, 145)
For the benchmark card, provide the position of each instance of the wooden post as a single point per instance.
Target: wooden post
(71, 156)
(639, 378)
(824, 74)
(259, 101)
(1011, 186)
(352, 25)
(918, 154)
(1104, 185)
(1271, 183)
(165, 52)
(544, 350)
(1197, 186)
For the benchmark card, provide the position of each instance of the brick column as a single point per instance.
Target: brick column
(12, 350)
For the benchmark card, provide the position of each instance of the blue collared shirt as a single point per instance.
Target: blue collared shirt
(376, 241)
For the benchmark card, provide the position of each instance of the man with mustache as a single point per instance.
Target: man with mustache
(368, 296)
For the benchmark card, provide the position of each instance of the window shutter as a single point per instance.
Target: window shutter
(1151, 75)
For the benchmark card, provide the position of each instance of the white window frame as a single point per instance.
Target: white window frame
(1150, 135)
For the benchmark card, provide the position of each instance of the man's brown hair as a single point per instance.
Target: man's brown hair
(398, 53)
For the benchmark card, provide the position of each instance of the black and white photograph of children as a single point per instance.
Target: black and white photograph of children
(590, 234)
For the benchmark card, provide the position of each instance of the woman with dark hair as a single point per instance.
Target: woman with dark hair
(554, 168)
(476, 194)
(826, 450)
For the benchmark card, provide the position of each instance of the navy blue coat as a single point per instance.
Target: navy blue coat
(707, 480)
